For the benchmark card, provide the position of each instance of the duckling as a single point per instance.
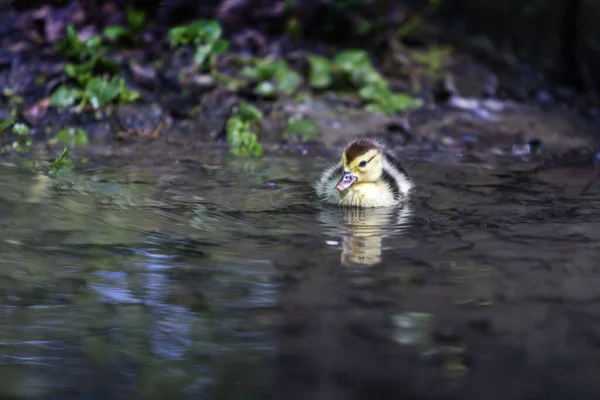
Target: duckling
(367, 175)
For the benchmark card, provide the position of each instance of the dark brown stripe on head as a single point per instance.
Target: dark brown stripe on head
(358, 148)
(389, 179)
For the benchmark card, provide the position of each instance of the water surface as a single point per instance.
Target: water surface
(200, 277)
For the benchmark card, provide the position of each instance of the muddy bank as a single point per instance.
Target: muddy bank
(446, 99)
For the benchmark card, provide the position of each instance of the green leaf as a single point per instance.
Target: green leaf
(75, 49)
(287, 80)
(70, 46)
(93, 45)
(371, 92)
(81, 72)
(304, 129)
(209, 30)
(100, 92)
(266, 70)
(247, 112)
(256, 149)
(8, 92)
(136, 18)
(61, 164)
(352, 60)
(266, 88)
(115, 32)
(249, 73)
(220, 46)
(65, 97)
(319, 72)
(202, 53)
(127, 96)
(404, 102)
(6, 124)
(178, 36)
(20, 129)
(72, 136)
(234, 126)
(241, 139)
(72, 34)
(198, 32)
(386, 102)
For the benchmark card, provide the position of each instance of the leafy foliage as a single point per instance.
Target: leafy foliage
(136, 22)
(65, 97)
(320, 72)
(197, 32)
(353, 69)
(61, 164)
(88, 62)
(77, 50)
(205, 35)
(381, 99)
(240, 134)
(84, 71)
(7, 123)
(98, 92)
(272, 78)
(23, 141)
(20, 129)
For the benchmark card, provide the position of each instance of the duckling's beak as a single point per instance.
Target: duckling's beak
(345, 182)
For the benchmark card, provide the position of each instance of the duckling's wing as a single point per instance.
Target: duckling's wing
(398, 172)
(325, 185)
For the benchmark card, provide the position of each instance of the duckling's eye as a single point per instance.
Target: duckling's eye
(362, 164)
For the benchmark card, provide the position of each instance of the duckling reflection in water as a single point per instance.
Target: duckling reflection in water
(363, 229)
(367, 175)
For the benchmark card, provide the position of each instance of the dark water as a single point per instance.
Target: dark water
(191, 277)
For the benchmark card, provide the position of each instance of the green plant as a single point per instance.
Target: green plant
(61, 164)
(319, 72)
(352, 69)
(84, 71)
(272, 78)
(87, 57)
(7, 123)
(98, 92)
(240, 133)
(381, 99)
(24, 140)
(77, 50)
(88, 61)
(136, 22)
(21, 131)
(300, 129)
(205, 35)
(64, 96)
(72, 137)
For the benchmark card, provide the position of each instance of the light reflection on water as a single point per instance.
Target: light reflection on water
(231, 282)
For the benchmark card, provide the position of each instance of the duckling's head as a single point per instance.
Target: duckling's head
(362, 161)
